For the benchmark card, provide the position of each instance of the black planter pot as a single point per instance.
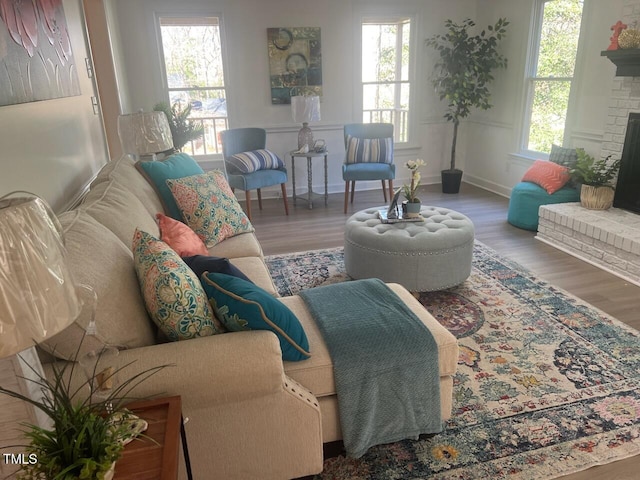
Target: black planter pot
(451, 180)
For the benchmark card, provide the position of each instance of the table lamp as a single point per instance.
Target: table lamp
(305, 110)
(37, 295)
(144, 134)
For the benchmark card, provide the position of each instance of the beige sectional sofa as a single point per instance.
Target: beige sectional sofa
(251, 415)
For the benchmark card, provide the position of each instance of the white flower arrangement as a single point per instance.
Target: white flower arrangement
(409, 191)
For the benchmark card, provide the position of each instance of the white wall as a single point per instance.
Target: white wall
(53, 148)
(245, 23)
(493, 136)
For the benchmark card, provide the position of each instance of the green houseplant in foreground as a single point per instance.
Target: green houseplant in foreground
(462, 75)
(597, 190)
(86, 436)
(183, 130)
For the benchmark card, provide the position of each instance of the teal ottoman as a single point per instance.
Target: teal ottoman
(526, 199)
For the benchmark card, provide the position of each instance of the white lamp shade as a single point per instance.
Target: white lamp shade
(305, 109)
(38, 297)
(144, 133)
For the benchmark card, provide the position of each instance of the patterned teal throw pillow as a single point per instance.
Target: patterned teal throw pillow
(241, 305)
(209, 207)
(172, 293)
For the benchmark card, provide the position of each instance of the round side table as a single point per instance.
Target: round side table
(310, 193)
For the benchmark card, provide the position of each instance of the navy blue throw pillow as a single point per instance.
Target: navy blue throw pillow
(201, 263)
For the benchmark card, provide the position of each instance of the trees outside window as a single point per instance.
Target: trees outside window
(194, 71)
(386, 84)
(550, 72)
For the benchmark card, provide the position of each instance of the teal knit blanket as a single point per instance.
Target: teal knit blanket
(385, 363)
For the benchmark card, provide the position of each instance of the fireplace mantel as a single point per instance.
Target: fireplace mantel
(627, 61)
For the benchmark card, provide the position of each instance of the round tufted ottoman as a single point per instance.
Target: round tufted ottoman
(421, 256)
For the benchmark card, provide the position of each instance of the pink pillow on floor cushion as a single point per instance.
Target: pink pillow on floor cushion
(180, 237)
(209, 207)
(549, 175)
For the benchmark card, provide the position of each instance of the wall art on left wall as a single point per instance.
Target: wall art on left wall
(36, 61)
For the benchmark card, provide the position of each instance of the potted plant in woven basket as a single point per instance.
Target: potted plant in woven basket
(597, 179)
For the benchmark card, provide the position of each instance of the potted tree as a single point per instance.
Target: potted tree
(597, 190)
(462, 75)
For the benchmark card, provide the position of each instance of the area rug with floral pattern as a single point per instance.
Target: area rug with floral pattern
(547, 385)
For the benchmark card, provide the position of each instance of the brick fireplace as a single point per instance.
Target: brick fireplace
(624, 98)
(609, 239)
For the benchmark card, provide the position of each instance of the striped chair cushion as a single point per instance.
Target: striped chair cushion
(247, 162)
(369, 150)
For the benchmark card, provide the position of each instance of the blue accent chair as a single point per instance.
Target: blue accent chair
(238, 140)
(353, 172)
(526, 199)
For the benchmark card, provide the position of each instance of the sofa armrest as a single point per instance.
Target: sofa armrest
(218, 369)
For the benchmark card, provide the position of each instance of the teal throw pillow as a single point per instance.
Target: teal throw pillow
(178, 165)
(241, 305)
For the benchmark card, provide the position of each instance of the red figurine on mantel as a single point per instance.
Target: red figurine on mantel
(617, 28)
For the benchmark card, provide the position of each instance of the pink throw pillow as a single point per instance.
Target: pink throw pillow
(549, 175)
(184, 241)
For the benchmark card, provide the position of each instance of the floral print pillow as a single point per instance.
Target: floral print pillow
(172, 293)
(209, 207)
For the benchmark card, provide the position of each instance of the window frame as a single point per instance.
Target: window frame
(163, 72)
(530, 79)
(386, 17)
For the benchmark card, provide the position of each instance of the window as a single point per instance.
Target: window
(385, 73)
(195, 76)
(550, 71)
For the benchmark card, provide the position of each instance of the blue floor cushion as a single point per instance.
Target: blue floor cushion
(526, 199)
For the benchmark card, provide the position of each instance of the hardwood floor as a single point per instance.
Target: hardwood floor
(322, 227)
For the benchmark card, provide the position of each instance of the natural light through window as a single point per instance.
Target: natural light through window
(195, 76)
(550, 72)
(385, 73)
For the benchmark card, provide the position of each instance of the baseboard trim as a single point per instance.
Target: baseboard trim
(587, 260)
(487, 185)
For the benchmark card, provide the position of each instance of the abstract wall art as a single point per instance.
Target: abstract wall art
(36, 61)
(295, 62)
